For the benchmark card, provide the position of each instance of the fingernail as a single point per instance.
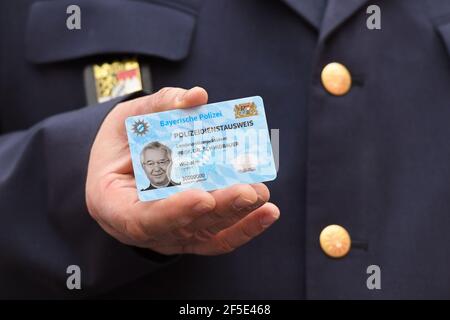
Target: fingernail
(257, 204)
(241, 203)
(267, 220)
(202, 207)
(260, 200)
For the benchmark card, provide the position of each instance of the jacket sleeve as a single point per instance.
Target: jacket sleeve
(45, 223)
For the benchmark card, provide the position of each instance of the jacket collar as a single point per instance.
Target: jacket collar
(336, 13)
(310, 10)
(325, 16)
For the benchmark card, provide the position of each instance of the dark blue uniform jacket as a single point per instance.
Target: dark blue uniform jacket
(376, 160)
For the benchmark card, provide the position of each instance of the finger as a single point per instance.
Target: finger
(230, 204)
(239, 234)
(157, 219)
(263, 196)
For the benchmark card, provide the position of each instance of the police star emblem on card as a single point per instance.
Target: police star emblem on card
(208, 147)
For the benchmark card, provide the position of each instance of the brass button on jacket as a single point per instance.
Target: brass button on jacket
(335, 241)
(336, 79)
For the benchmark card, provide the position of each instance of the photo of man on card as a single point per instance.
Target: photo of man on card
(156, 160)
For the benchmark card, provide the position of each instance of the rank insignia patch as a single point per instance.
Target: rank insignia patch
(116, 79)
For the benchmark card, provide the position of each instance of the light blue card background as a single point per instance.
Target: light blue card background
(217, 165)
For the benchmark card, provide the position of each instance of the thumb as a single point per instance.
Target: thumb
(110, 145)
(165, 99)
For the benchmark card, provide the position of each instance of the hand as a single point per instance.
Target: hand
(193, 221)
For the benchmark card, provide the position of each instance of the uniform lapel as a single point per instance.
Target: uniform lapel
(336, 13)
(311, 10)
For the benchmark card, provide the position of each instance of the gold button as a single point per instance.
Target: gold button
(336, 79)
(335, 241)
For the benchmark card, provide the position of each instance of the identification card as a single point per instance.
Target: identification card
(208, 147)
